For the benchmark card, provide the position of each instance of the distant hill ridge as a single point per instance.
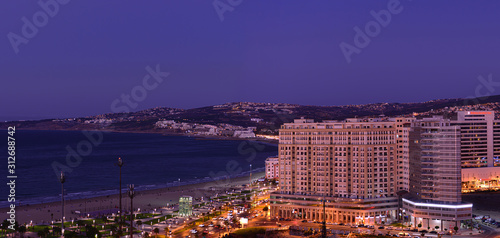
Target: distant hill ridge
(266, 117)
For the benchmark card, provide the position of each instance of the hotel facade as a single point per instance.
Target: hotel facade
(351, 165)
(434, 197)
(357, 171)
(480, 150)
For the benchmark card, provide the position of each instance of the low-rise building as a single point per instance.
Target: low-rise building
(244, 134)
(185, 206)
(272, 168)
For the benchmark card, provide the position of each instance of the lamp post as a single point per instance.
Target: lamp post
(250, 176)
(62, 179)
(131, 194)
(120, 164)
(323, 228)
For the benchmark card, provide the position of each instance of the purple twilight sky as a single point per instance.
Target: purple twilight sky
(62, 58)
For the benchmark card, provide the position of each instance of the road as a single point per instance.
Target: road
(489, 232)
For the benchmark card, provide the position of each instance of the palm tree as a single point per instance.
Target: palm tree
(41, 233)
(22, 230)
(113, 228)
(156, 231)
(56, 230)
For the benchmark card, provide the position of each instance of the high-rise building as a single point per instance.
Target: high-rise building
(434, 197)
(402, 151)
(352, 165)
(480, 140)
(272, 168)
(480, 149)
(361, 168)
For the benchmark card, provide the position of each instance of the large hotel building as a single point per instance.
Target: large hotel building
(435, 196)
(480, 149)
(352, 165)
(379, 170)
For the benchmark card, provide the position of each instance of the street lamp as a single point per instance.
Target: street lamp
(250, 176)
(62, 179)
(131, 194)
(120, 164)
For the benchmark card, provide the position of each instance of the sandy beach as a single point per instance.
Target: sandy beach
(146, 200)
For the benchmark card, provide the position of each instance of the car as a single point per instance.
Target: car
(389, 228)
(201, 225)
(381, 227)
(361, 225)
(354, 226)
(371, 227)
(433, 232)
(304, 220)
(414, 230)
(193, 231)
(211, 225)
(341, 224)
(423, 231)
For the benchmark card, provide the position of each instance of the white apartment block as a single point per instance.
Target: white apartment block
(480, 149)
(480, 138)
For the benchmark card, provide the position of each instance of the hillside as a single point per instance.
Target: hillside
(266, 117)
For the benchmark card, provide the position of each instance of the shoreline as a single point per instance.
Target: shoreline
(197, 137)
(39, 209)
(144, 199)
(138, 188)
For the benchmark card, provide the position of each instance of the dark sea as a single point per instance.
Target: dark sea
(150, 161)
